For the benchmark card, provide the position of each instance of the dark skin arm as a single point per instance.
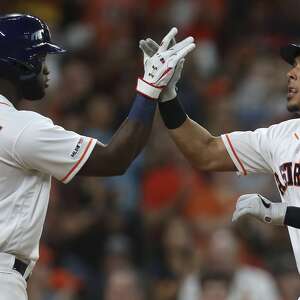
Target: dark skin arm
(205, 151)
(115, 158)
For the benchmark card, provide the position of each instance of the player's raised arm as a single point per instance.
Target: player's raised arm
(114, 158)
(204, 151)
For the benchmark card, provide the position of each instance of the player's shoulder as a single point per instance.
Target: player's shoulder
(15, 122)
(24, 118)
(32, 116)
(290, 122)
(288, 126)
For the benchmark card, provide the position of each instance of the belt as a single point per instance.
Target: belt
(10, 261)
(20, 267)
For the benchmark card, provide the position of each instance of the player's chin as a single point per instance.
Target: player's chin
(34, 94)
(33, 90)
(293, 104)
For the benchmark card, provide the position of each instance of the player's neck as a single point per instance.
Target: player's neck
(10, 91)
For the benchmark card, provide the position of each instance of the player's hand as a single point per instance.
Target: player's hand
(160, 67)
(149, 48)
(261, 208)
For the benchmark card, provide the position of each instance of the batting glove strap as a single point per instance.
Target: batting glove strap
(276, 214)
(148, 89)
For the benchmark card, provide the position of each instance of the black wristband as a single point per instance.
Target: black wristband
(172, 113)
(292, 216)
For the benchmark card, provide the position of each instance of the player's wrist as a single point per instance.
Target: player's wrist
(172, 113)
(143, 109)
(278, 213)
(148, 89)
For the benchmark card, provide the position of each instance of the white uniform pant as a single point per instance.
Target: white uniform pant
(12, 285)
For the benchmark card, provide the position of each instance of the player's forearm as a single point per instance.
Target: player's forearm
(126, 144)
(196, 143)
(203, 150)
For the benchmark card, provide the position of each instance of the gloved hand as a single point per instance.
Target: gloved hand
(261, 208)
(149, 48)
(160, 67)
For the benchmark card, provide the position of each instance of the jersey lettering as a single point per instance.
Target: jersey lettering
(281, 187)
(286, 173)
(290, 176)
(77, 148)
(297, 174)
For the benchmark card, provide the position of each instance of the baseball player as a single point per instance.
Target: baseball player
(274, 150)
(33, 149)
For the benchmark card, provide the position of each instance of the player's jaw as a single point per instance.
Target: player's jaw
(45, 72)
(293, 98)
(34, 89)
(293, 94)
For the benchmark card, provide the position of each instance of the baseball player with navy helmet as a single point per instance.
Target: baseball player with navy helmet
(33, 149)
(274, 150)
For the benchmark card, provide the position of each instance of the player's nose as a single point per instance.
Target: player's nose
(291, 74)
(46, 71)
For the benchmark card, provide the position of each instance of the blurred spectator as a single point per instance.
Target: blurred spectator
(215, 286)
(162, 218)
(178, 259)
(247, 282)
(100, 116)
(124, 284)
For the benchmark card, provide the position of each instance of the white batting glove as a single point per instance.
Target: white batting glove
(261, 208)
(149, 48)
(160, 67)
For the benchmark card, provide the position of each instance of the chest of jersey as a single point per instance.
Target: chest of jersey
(287, 165)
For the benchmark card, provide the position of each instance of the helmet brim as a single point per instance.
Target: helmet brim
(290, 52)
(49, 48)
(54, 49)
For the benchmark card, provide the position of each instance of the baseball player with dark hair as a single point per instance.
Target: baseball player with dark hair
(274, 150)
(33, 149)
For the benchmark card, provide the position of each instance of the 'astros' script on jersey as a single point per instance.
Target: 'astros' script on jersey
(274, 150)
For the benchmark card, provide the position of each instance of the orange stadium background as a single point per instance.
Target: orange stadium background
(163, 231)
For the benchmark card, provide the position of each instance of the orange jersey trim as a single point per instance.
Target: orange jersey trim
(80, 159)
(235, 154)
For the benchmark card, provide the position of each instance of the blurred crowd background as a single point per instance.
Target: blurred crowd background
(163, 231)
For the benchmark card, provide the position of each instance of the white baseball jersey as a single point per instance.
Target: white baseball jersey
(32, 149)
(273, 150)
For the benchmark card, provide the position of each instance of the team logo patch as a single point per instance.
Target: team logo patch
(77, 148)
(38, 35)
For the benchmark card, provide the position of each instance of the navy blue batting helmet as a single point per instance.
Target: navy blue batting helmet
(290, 52)
(23, 39)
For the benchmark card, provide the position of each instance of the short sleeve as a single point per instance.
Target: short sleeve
(250, 151)
(51, 149)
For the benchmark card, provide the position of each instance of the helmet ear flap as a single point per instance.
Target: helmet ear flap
(9, 71)
(20, 70)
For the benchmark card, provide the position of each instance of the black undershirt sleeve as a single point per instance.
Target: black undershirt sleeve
(292, 217)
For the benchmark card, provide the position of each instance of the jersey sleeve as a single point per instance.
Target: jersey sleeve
(51, 149)
(250, 151)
